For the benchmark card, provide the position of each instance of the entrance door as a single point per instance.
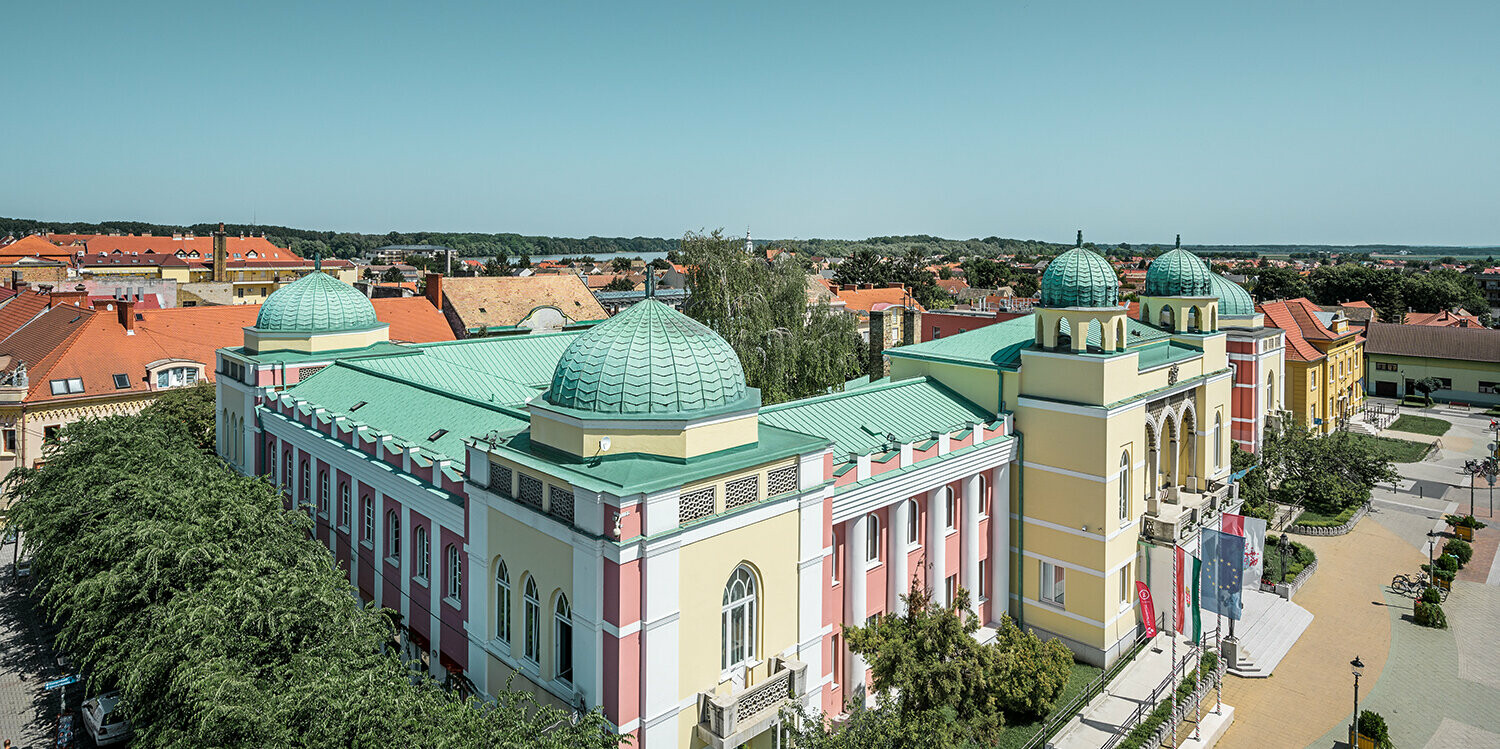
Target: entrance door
(1385, 389)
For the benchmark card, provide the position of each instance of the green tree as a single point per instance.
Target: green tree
(1427, 386)
(496, 267)
(1324, 474)
(369, 274)
(392, 275)
(192, 408)
(620, 264)
(619, 283)
(861, 267)
(788, 349)
(1281, 283)
(1253, 489)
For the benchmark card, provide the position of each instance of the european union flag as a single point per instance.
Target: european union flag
(1223, 557)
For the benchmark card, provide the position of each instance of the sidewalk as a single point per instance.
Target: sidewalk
(27, 713)
(1130, 690)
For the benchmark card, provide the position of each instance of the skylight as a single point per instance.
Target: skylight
(357, 406)
(121, 381)
(437, 434)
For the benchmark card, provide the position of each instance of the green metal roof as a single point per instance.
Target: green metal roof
(858, 420)
(649, 359)
(1165, 353)
(1178, 273)
(1080, 278)
(1001, 344)
(441, 375)
(316, 303)
(1233, 299)
(409, 412)
(527, 359)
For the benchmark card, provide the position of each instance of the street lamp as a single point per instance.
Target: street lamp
(1358, 668)
(1286, 543)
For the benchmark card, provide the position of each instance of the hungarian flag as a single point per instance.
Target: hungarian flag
(1223, 573)
(1253, 530)
(1186, 617)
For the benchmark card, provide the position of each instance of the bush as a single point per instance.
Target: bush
(1373, 725)
(1431, 595)
(1208, 662)
(1430, 615)
(1447, 563)
(1464, 521)
(1461, 549)
(1147, 728)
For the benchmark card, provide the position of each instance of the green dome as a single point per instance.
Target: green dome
(1234, 301)
(316, 303)
(1080, 278)
(649, 359)
(1178, 273)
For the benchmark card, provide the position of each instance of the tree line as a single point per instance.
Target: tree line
(189, 588)
(1391, 292)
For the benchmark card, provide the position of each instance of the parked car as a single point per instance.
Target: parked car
(104, 726)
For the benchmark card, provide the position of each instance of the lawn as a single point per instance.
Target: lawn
(1398, 451)
(1421, 425)
(1017, 734)
(1308, 517)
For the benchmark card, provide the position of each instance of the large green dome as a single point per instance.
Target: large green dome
(316, 303)
(1178, 273)
(1234, 301)
(649, 359)
(1080, 278)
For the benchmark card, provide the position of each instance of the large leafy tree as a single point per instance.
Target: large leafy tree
(789, 349)
(1324, 474)
(1281, 283)
(190, 589)
(192, 408)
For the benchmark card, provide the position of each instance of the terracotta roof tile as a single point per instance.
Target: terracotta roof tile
(504, 301)
(864, 300)
(19, 310)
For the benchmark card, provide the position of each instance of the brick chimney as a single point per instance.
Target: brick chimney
(221, 256)
(126, 309)
(435, 290)
(16, 282)
(64, 298)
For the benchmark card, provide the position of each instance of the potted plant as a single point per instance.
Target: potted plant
(1373, 733)
(1464, 525)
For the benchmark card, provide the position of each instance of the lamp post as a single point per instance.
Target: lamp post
(1286, 543)
(1431, 559)
(1358, 668)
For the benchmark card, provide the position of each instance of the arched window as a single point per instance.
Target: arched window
(1164, 319)
(872, 538)
(502, 602)
(1218, 441)
(306, 494)
(738, 619)
(1270, 392)
(455, 574)
(323, 493)
(346, 515)
(421, 551)
(533, 621)
(1193, 322)
(286, 474)
(1125, 485)
(912, 526)
(393, 535)
(367, 507)
(562, 639)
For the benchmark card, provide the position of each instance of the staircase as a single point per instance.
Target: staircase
(1271, 625)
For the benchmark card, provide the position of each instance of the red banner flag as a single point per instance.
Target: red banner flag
(1148, 611)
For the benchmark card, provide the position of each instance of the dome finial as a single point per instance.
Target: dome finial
(317, 261)
(650, 282)
(1079, 242)
(1178, 246)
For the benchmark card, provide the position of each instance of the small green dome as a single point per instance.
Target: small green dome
(1178, 273)
(649, 359)
(316, 303)
(1234, 301)
(1080, 278)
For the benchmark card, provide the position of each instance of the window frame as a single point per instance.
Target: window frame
(393, 537)
(323, 481)
(455, 581)
(346, 506)
(502, 603)
(950, 510)
(1053, 589)
(421, 553)
(913, 525)
(562, 640)
(1124, 490)
(367, 520)
(738, 622)
(872, 540)
(531, 610)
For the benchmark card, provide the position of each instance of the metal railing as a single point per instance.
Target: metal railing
(1168, 686)
(1068, 712)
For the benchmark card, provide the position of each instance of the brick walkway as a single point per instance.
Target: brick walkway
(1312, 691)
(27, 713)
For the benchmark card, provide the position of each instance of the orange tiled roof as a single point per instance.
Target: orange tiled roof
(19, 310)
(952, 285)
(1297, 318)
(1444, 319)
(413, 319)
(261, 246)
(32, 246)
(864, 300)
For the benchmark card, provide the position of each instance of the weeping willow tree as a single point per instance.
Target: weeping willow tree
(789, 349)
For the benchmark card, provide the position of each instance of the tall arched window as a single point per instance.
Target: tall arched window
(306, 494)
(367, 507)
(502, 602)
(286, 475)
(455, 574)
(533, 621)
(346, 515)
(738, 619)
(1165, 320)
(562, 639)
(872, 538)
(323, 493)
(1218, 441)
(393, 536)
(912, 526)
(1270, 392)
(1125, 485)
(421, 551)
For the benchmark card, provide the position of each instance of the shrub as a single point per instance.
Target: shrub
(1461, 549)
(1428, 615)
(1147, 728)
(1464, 521)
(1431, 595)
(1208, 662)
(1447, 563)
(1373, 725)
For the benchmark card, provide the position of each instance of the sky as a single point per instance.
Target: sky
(1274, 122)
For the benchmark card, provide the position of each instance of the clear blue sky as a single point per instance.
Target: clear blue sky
(1308, 121)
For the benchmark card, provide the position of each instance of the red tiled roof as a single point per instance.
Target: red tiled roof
(1444, 319)
(32, 246)
(19, 310)
(864, 300)
(413, 319)
(1297, 318)
(204, 245)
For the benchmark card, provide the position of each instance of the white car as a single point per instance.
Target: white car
(103, 726)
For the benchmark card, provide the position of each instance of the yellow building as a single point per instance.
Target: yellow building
(1324, 363)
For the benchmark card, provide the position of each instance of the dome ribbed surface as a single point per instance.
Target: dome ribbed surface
(1080, 278)
(316, 303)
(649, 359)
(1178, 273)
(1233, 299)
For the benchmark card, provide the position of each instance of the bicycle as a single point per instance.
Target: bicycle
(1414, 588)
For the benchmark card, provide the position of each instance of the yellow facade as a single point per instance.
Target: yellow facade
(1325, 390)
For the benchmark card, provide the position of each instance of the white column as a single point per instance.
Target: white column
(855, 577)
(937, 545)
(588, 633)
(969, 542)
(377, 539)
(1000, 542)
(898, 580)
(812, 580)
(660, 643)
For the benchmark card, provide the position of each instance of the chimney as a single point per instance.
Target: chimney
(64, 298)
(911, 324)
(848, 287)
(126, 308)
(435, 290)
(16, 282)
(867, 286)
(896, 285)
(220, 256)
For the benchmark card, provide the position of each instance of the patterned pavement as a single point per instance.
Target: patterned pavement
(27, 713)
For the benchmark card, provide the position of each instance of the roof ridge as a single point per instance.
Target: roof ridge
(57, 354)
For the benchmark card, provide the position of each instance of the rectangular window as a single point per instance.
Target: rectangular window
(1313, 380)
(984, 578)
(936, 334)
(1125, 586)
(1447, 383)
(950, 587)
(121, 381)
(1385, 366)
(49, 433)
(838, 660)
(10, 440)
(834, 562)
(1489, 387)
(1052, 583)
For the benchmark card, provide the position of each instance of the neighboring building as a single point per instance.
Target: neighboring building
(1455, 318)
(1324, 362)
(1465, 360)
(506, 305)
(1359, 314)
(1489, 285)
(397, 253)
(950, 322)
(34, 247)
(1257, 354)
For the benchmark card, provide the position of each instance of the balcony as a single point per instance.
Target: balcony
(1179, 511)
(729, 720)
